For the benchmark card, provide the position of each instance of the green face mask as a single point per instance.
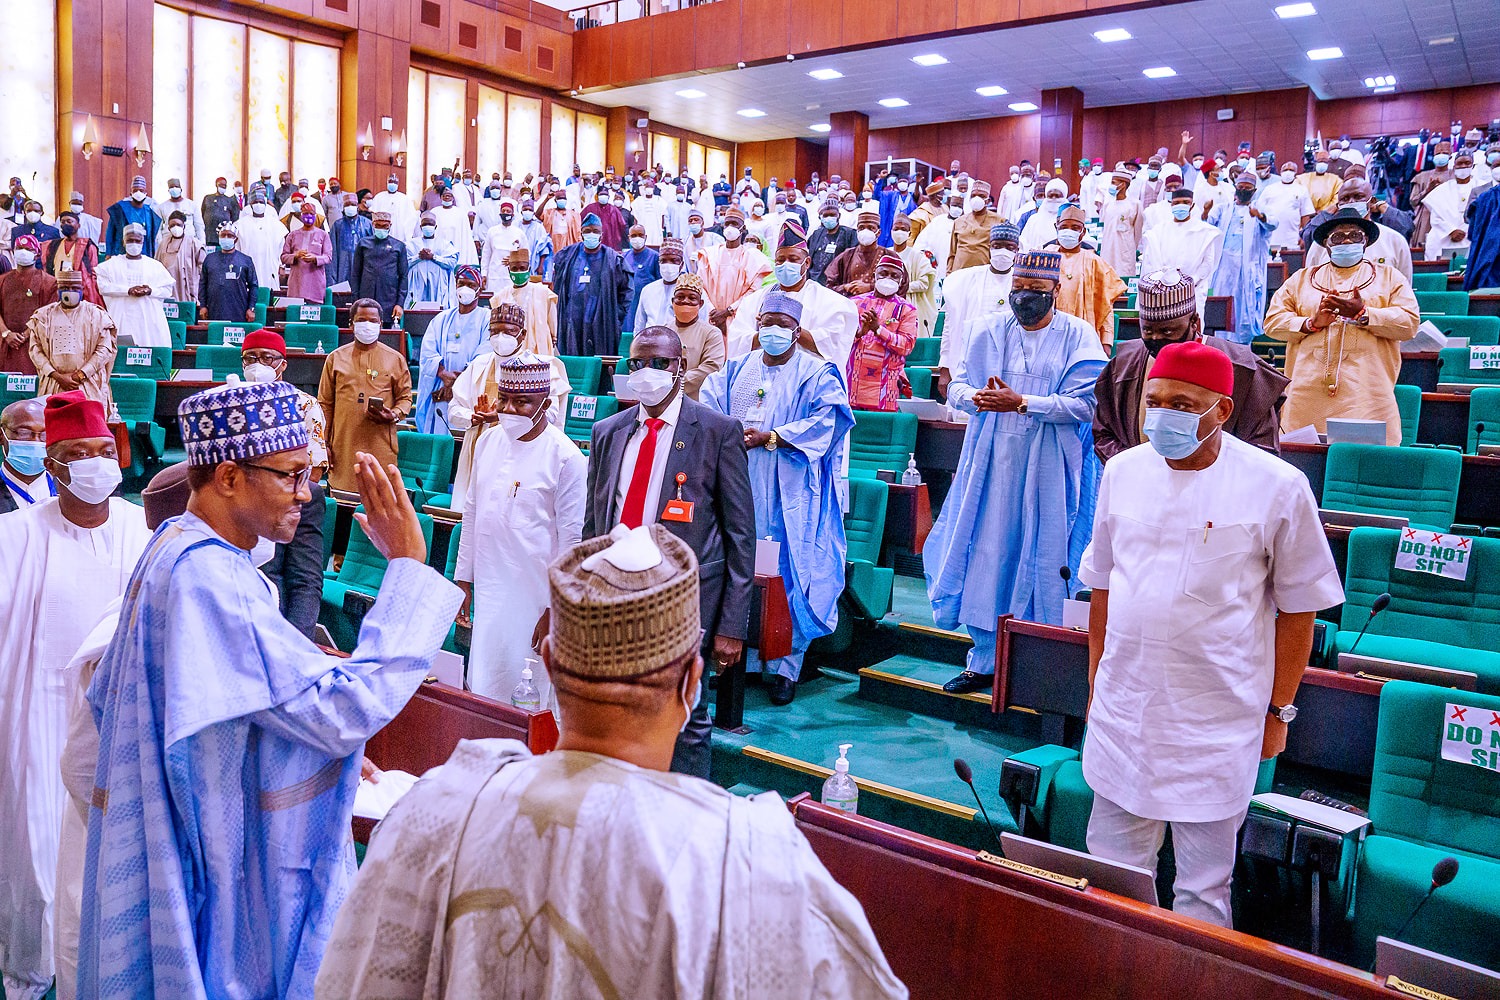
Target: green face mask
(519, 278)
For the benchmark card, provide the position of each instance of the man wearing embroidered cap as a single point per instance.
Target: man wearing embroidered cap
(23, 291)
(827, 320)
(1089, 286)
(970, 241)
(1208, 564)
(732, 271)
(1122, 218)
(852, 273)
(71, 342)
(593, 291)
(492, 831)
(63, 560)
(524, 505)
(1169, 315)
(135, 208)
(452, 341)
(536, 299)
(229, 744)
(1020, 504)
(974, 294)
(134, 286)
(932, 207)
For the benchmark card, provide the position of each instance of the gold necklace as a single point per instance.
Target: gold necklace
(1333, 371)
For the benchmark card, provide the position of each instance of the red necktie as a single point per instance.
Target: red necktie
(640, 480)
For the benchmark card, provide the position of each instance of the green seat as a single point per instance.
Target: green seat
(222, 333)
(583, 373)
(1431, 281)
(1409, 402)
(263, 296)
(881, 441)
(622, 368)
(181, 311)
(135, 398)
(426, 464)
(14, 387)
(362, 571)
(1484, 417)
(926, 352)
(625, 339)
(583, 411)
(1443, 303)
(866, 583)
(144, 362)
(1271, 349)
(1482, 331)
(937, 328)
(451, 642)
(1434, 620)
(330, 521)
(1423, 808)
(311, 313)
(224, 361)
(1453, 366)
(309, 335)
(921, 383)
(1420, 484)
(178, 330)
(328, 296)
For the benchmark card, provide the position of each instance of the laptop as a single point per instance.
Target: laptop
(1121, 879)
(1402, 670)
(1431, 971)
(1358, 519)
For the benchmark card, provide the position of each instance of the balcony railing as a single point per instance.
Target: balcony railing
(615, 11)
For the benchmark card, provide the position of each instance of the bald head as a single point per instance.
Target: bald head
(24, 415)
(656, 342)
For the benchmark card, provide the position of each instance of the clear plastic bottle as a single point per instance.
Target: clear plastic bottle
(911, 477)
(840, 791)
(320, 347)
(526, 696)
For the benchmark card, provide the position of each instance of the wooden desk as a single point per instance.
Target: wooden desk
(1043, 669)
(1485, 304)
(1347, 710)
(908, 518)
(1419, 368)
(1444, 419)
(169, 395)
(951, 925)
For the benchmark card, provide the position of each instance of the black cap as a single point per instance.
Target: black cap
(1343, 217)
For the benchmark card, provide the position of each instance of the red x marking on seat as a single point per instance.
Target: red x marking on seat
(1458, 713)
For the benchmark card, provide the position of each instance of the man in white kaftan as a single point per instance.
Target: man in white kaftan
(134, 287)
(828, 316)
(261, 237)
(1183, 243)
(974, 293)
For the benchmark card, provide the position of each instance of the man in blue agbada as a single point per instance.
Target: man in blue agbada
(1021, 502)
(453, 340)
(219, 846)
(797, 418)
(1241, 271)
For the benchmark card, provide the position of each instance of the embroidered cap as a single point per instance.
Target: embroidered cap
(1005, 231)
(1038, 264)
(523, 372)
(1164, 295)
(239, 421)
(777, 301)
(508, 312)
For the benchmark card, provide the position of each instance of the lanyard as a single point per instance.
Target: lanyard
(17, 489)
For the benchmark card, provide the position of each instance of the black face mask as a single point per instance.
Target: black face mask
(68, 229)
(1030, 306)
(1242, 196)
(1154, 345)
(505, 217)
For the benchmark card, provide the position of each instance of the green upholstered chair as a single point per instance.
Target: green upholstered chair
(135, 398)
(1482, 331)
(178, 330)
(1484, 417)
(1443, 303)
(583, 373)
(362, 571)
(925, 353)
(1431, 619)
(262, 296)
(1430, 281)
(14, 387)
(224, 361)
(426, 464)
(866, 583)
(451, 642)
(144, 362)
(226, 334)
(330, 521)
(1420, 484)
(881, 441)
(311, 312)
(182, 311)
(1409, 402)
(625, 340)
(260, 313)
(921, 383)
(1453, 366)
(309, 335)
(1424, 808)
(583, 411)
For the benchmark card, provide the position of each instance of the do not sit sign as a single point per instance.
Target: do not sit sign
(1435, 553)
(1471, 735)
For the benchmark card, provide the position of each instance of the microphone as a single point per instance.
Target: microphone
(1381, 603)
(966, 775)
(1443, 872)
(1067, 578)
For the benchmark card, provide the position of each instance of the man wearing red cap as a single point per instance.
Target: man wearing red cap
(1208, 564)
(64, 560)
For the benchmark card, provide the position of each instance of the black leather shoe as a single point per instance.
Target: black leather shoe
(969, 681)
(783, 690)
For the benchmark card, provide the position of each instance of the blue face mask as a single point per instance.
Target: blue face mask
(1346, 254)
(788, 273)
(1173, 433)
(382, 234)
(775, 340)
(1181, 212)
(26, 456)
(592, 240)
(830, 222)
(1441, 159)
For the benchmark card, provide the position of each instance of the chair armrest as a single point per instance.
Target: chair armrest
(1026, 779)
(869, 586)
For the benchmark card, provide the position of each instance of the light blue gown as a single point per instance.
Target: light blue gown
(1015, 513)
(430, 280)
(219, 845)
(795, 488)
(453, 340)
(1242, 268)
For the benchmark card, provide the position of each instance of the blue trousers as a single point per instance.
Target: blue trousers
(981, 659)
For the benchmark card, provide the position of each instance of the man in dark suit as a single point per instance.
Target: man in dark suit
(672, 460)
(23, 437)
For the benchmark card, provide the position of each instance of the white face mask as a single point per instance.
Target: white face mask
(1287, 176)
(1001, 259)
(134, 249)
(465, 294)
(1069, 238)
(176, 231)
(77, 207)
(258, 208)
(900, 236)
(175, 192)
(976, 205)
(504, 344)
(92, 480)
(1027, 181)
(137, 196)
(637, 242)
(518, 426)
(651, 386)
(1462, 173)
(33, 217)
(866, 237)
(25, 258)
(731, 233)
(954, 211)
(886, 286)
(350, 211)
(670, 272)
(260, 373)
(366, 332)
(263, 552)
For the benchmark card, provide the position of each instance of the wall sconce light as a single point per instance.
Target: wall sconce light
(142, 147)
(90, 138)
(367, 142)
(401, 149)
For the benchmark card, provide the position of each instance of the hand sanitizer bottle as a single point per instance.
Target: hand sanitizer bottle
(911, 477)
(525, 696)
(840, 791)
(320, 347)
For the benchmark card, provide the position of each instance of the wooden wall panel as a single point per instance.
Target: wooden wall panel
(630, 54)
(984, 147)
(815, 27)
(848, 143)
(764, 31)
(1274, 120)
(868, 21)
(812, 157)
(425, 36)
(672, 43)
(712, 25)
(917, 17)
(1366, 117)
(591, 66)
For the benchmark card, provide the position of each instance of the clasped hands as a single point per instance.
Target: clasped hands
(997, 397)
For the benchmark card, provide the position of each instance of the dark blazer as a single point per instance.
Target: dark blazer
(297, 567)
(1259, 391)
(709, 449)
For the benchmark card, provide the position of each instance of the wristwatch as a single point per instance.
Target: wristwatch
(1284, 713)
(773, 441)
(1021, 407)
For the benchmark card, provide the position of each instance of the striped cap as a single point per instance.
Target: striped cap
(1164, 295)
(1038, 264)
(239, 421)
(523, 373)
(777, 301)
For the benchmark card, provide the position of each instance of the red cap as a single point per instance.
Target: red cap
(70, 416)
(1197, 364)
(268, 339)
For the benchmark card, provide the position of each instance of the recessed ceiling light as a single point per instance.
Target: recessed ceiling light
(1023, 106)
(1290, 10)
(691, 94)
(930, 59)
(1113, 35)
(1380, 81)
(825, 74)
(1383, 90)
(991, 91)
(821, 127)
(1332, 52)
(1159, 72)
(751, 113)
(1445, 40)
(893, 102)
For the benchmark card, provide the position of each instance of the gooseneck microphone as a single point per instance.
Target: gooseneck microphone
(1443, 872)
(1067, 578)
(966, 775)
(1381, 603)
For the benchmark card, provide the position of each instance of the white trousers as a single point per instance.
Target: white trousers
(1205, 855)
(68, 902)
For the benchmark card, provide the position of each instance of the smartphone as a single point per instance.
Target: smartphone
(377, 402)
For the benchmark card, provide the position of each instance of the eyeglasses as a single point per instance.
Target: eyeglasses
(268, 358)
(633, 365)
(298, 479)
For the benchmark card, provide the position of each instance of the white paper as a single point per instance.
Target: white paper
(1434, 553)
(1472, 736)
(373, 799)
(1312, 812)
(342, 286)
(1428, 338)
(767, 557)
(448, 668)
(194, 375)
(289, 300)
(1302, 435)
(1075, 614)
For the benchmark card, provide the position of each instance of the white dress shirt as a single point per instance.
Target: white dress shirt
(664, 438)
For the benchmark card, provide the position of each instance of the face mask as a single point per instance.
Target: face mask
(1441, 159)
(68, 229)
(1069, 238)
(954, 211)
(1244, 162)
(428, 232)
(591, 241)
(1030, 306)
(696, 228)
(1015, 178)
(830, 222)
(775, 340)
(1197, 163)
(264, 551)
(504, 344)
(1287, 176)
(528, 215)
(1346, 254)
(1152, 175)
(519, 278)
(466, 295)
(865, 237)
(133, 249)
(391, 187)
(1173, 433)
(1243, 196)
(1181, 212)
(1362, 207)
(788, 273)
(258, 209)
(175, 192)
(26, 457)
(901, 186)
(447, 202)
(137, 196)
(226, 245)
(260, 373)
(1027, 181)
(637, 242)
(33, 217)
(367, 332)
(886, 286)
(92, 480)
(25, 258)
(976, 205)
(518, 426)
(651, 386)
(303, 191)
(1462, 173)
(686, 315)
(77, 206)
(350, 211)
(1321, 168)
(176, 231)
(70, 300)
(900, 236)
(691, 706)
(731, 233)
(1001, 259)
(669, 272)
(1493, 159)
(382, 234)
